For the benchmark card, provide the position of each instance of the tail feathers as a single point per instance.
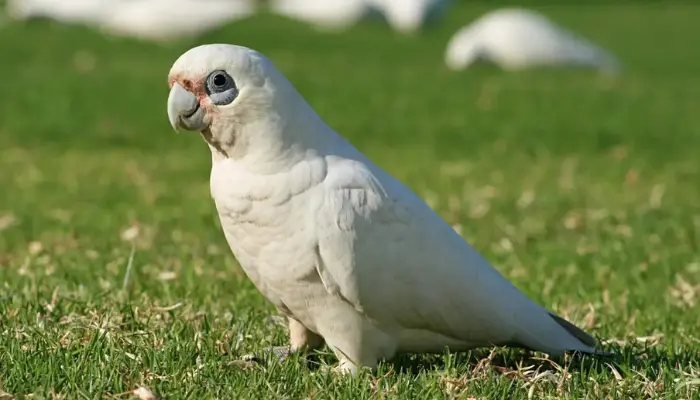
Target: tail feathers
(583, 52)
(575, 331)
(579, 334)
(607, 62)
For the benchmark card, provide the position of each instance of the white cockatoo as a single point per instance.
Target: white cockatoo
(348, 253)
(323, 14)
(86, 12)
(404, 16)
(171, 19)
(516, 38)
(153, 20)
(409, 16)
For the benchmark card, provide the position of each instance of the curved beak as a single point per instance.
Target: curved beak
(184, 110)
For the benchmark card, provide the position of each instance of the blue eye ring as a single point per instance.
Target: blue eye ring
(221, 88)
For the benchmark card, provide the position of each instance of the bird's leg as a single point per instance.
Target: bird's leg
(355, 341)
(300, 339)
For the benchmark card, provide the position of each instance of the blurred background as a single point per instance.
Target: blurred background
(580, 184)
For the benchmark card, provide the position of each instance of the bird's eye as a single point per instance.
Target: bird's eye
(220, 80)
(221, 88)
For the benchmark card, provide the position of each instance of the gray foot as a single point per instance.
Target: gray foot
(270, 353)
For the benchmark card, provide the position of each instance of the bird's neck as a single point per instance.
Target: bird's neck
(271, 145)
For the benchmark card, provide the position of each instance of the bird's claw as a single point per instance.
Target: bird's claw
(337, 370)
(278, 353)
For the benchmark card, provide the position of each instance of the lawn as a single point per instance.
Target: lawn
(583, 190)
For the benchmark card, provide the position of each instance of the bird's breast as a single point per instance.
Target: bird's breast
(257, 197)
(260, 212)
(267, 221)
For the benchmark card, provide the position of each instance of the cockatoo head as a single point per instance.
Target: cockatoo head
(208, 83)
(239, 101)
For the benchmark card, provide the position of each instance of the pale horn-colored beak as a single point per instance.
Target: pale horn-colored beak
(184, 110)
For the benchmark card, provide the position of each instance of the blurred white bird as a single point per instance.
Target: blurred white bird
(404, 16)
(348, 253)
(157, 20)
(322, 14)
(169, 19)
(515, 38)
(65, 11)
(408, 16)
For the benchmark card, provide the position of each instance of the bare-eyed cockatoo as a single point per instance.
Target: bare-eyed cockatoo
(348, 253)
(155, 20)
(516, 38)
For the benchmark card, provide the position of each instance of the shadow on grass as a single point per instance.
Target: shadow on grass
(508, 361)
(623, 362)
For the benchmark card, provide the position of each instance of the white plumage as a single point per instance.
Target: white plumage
(515, 38)
(65, 11)
(347, 252)
(405, 16)
(323, 14)
(408, 16)
(155, 20)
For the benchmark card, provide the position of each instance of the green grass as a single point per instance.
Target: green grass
(583, 190)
